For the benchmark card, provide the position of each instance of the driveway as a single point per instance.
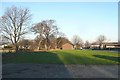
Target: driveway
(27, 70)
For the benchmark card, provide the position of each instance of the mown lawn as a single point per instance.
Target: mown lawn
(64, 57)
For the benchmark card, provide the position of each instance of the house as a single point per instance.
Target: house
(67, 46)
(3, 42)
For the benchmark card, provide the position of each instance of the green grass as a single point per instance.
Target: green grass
(64, 57)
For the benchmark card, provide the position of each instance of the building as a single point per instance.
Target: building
(67, 46)
(3, 42)
(111, 45)
(94, 45)
(106, 45)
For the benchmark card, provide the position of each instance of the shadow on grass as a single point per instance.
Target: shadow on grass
(117, 59)
(48, 65)
(31, 57)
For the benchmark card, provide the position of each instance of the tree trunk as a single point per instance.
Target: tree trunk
(48, 43)
(45, 46)
(16, 48)
(100, 46)
(39, 45)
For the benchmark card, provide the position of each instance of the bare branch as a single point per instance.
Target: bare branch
(14, 22)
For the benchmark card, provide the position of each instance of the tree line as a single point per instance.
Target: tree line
(15, 23)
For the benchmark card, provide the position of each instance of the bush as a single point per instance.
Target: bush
(25, 50)
(7, 46)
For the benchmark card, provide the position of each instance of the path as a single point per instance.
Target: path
(59, 71)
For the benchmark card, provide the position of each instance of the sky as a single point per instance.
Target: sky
(88, 20)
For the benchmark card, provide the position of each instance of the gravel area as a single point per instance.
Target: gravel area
(25, 70)
(0, 66)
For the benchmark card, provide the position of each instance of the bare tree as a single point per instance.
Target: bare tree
(61, 34)
(14, 24)
(77, 41)
(46, 29)
(39, 28)
(100, 40)
(87, 44)
(24, 43)
(49, 30)
(61, 39)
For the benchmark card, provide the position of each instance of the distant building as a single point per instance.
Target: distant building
(110, 45)
(106, 45)
(94, 45)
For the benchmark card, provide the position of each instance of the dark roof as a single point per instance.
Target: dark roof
(94, 43)
(112, 43)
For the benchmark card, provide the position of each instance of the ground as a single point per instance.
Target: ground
(61, 64)
(30, 70)
(64, 57)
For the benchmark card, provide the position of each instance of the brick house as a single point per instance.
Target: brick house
(67, 46)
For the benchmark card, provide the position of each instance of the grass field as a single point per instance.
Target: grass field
(64, 57)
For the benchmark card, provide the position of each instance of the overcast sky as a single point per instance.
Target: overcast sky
(86, 19)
